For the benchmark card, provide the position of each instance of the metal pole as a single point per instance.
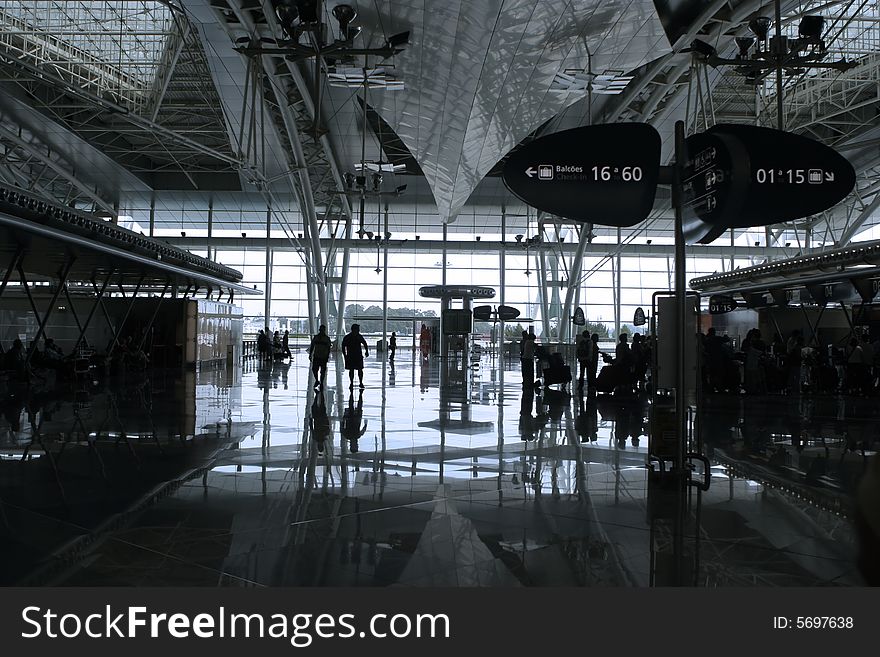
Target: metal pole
(780, 122)
(210, 226)
(152, 216)
(617, 290)
(681, 303)
(343, 286)
(385, 288)
(502, 266)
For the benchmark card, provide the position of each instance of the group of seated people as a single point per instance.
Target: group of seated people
(127, 354)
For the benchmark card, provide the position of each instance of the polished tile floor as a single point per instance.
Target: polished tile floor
(433, 475)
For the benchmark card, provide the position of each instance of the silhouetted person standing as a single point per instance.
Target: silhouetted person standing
(392, 346)
(584, 349)
(354, 357)
(528, 359)
(593, 369)
(425, 342)
(319, 352)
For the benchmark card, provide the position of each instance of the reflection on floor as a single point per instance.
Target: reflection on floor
(432, 475)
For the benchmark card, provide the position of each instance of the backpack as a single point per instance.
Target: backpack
(583, 350)
(321, 349)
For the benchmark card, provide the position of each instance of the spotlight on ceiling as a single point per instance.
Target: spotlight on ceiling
(400, 190)
(760, 27)
(744, 43)
(344, 15)
(286, 12)
(811, 27)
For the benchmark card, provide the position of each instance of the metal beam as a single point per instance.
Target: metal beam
(124, 318)
(98, 300)
(851, 230)
(45, 319)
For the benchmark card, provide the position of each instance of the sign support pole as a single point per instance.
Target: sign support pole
(682, 338)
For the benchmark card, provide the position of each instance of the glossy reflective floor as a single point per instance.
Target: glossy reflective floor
(433, 475)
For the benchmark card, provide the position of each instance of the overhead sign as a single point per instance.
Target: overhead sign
(507, 313)
(579, 319)
(639, 317)
(456, 292)
(602, 174)
(482, 313)
(741, 176)
(721, 304)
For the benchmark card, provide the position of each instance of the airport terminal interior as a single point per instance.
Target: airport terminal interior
(440, 293)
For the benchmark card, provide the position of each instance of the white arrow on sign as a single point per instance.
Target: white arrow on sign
(829, 176)
(530, 172)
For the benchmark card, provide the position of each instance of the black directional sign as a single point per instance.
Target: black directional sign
(790, 176)
(639, 318)
(739, 176)
(720, 304)
(482, 313)
(603, 174)
(507, 313)
(713, 179)
(579, 319)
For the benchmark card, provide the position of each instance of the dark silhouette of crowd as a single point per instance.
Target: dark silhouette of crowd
(789, 365)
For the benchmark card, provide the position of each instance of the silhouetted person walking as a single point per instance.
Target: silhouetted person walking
(285, 345)
(319, 352)
(354, 357)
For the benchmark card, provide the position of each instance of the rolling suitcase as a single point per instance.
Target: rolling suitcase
(606, 380)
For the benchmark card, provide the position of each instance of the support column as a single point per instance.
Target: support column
(444, 343)
(343, 286)
(502, 266)
(267, 302)
(385, 286)
(153, 216)
(210, 227)
(542, 289)
(574, 278)
(443, 305)
(617, 290)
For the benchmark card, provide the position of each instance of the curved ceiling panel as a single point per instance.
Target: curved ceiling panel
(479, 75)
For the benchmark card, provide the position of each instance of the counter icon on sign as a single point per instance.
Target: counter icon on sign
(545, 172)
